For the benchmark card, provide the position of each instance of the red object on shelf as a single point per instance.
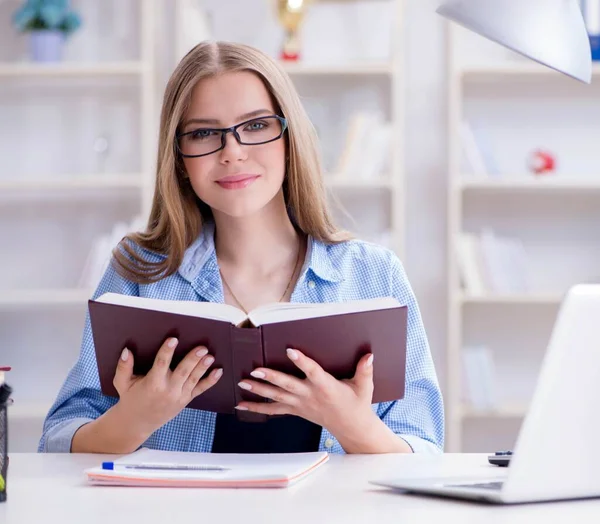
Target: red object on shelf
(542, 162)
(290, 57)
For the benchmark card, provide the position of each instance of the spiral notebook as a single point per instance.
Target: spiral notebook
(148, 467)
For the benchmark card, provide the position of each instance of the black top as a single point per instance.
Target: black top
(281, 434)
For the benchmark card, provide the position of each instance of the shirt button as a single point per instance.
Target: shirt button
(329, 443)
(311, 284)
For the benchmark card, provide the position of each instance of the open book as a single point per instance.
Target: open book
(148, 467)
(336, 335)
(268, 314)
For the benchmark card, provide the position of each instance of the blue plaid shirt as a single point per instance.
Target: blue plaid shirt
(331, 273)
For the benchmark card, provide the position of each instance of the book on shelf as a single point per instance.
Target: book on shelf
(479, 391)
(492, 263)
(469, 260)
(367, 147)
(591, 15)
(335, 335)
(477, 155)
(158, 468)
(101, 251)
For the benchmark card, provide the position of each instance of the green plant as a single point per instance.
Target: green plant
(35, 15)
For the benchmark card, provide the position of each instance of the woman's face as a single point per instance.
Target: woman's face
(238, 180)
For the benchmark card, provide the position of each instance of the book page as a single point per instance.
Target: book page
(211, 310)
(273, 313)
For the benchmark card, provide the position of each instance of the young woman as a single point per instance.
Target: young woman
(239, 216)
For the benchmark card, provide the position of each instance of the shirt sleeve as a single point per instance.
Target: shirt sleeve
(418, 418)
(80, 399)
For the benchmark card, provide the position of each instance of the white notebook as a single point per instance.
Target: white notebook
(147, 467)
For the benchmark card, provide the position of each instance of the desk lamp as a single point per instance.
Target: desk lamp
(551, 32)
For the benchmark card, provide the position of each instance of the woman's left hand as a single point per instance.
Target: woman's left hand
(337, 405)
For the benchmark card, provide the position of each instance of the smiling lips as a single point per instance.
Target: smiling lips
(237, 181)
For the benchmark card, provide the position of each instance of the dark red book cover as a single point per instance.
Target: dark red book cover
(336, 342)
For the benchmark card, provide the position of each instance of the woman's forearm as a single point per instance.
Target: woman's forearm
(113, 432)
(371, 436)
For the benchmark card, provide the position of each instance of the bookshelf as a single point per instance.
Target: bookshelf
(371, 207)
(54, 201)
(512, 107)
(110, 85)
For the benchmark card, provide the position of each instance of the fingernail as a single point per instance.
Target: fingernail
(217, 374)
(241, 408)
(292, 354)
(124, 355)
(172, 343)
(209, 360)
(258, 374)
(370, 361)
(201, 352)
(245, 385)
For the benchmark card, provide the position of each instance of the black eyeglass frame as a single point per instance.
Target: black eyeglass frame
(233, 131)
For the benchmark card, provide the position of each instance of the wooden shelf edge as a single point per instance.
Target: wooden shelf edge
(532, 299)
(516, 411)
(342, 183)
(43, 297)
(28, 410)
(71, 69)
(513, 184)
(361, 68)
(125, 181)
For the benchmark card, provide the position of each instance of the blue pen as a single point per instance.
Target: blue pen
(163, 467)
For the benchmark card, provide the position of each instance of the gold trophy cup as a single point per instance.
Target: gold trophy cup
(291, 13)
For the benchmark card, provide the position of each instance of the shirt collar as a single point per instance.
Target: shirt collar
(201, 257)
(320, 263)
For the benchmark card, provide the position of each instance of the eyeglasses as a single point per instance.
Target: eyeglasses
(206, 141)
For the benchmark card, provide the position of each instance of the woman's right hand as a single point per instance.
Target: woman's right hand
(152, 400)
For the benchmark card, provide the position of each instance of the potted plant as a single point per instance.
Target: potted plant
(49, 23)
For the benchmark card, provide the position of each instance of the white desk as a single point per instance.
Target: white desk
(51, 489)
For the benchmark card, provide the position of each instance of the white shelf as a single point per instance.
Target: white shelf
(479, 84)
(132, 181)
(44, 297)
(527, 299)
(526, 69)
(376, 68)
(509, 411)
(27, 411)
(524, 184)
(124, 192)
(70, 69)
(343, 183)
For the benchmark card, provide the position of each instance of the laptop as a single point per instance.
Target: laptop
(556, 453)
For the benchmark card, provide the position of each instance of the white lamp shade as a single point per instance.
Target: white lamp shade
(551, 32)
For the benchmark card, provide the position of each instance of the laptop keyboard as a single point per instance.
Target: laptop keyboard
(480, 485)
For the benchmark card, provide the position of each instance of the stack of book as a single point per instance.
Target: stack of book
(490, 263)
(367, 148)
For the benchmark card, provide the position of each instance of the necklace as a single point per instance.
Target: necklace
(286, 289)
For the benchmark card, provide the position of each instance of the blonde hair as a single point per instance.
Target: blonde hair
(177, 214)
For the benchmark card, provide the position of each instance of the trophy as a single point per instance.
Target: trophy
(291, 14)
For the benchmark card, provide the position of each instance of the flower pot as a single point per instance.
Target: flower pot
(46, 45)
